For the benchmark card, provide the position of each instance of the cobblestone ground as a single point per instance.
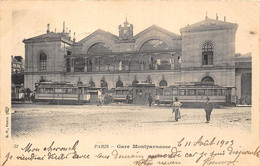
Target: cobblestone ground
(30, 120)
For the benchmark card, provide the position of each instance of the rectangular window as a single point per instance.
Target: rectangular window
(174, 91)
(58, 91)
(201, 92)
(191, 92)
(182, 92)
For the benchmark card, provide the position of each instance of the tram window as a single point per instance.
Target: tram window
(125, 92)
(48, 90)
(201, 92)
(58, 90)
(85, 90)
(69, 91)
(137, 91)
(167, 92)
(221, 92)
(64, 90)
(118, 92)
(191, 92)
(182, 92)
(74, 91)
(210, 92)
(41, 90)
(174, 92)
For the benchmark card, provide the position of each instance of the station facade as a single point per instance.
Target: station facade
(204, 52)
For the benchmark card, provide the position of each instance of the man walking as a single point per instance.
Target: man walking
(150, 100)
(208, 109)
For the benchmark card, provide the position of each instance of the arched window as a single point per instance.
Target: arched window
(43, 61)
(99, 48)
(134, 83)
(103, 84)
(207, 79)
(119, 84)
(207, 54)
(92, 83)
(154, 44)
(163, 83)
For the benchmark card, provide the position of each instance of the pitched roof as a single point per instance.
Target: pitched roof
(208, 24)
(155, 27)
(51, 36)
(100, 31)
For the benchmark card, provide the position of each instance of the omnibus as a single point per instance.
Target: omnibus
(64, 93)
(192, 95)
(123, 95)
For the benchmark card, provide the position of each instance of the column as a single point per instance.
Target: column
(72, 65)
(86, 65)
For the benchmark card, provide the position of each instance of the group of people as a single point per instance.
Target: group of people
(208, 107)
(177, 104)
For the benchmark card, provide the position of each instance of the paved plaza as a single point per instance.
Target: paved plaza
(29, 120)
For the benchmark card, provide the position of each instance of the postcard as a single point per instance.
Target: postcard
(143, 83)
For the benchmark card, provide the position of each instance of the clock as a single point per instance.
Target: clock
(125, 32)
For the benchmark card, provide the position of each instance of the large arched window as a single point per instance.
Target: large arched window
(163, 83)
(207, 54)
(43, 61)
(119, 84)
(99, 48)
(154, 44)
(207, 79)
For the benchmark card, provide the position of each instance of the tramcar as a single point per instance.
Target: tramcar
(17, 94)
(192, 95)
(65, 93)
(123, 95)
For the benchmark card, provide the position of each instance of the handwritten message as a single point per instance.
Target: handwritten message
(202, 152)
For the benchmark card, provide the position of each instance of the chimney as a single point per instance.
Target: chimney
(74, 39)
(225, 19)
(48, 28)
(63, 27)
(217, 16)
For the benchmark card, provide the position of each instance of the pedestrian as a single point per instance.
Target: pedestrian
(208, 109)
(176, 108)
(150, 100)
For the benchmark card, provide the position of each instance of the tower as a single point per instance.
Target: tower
(125, 31)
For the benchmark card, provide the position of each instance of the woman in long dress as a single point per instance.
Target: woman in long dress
(176, 109)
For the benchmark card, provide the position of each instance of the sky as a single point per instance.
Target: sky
(30, 18)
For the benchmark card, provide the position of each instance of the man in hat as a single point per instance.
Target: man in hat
(208, 109)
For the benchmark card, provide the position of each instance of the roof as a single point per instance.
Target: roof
(51, 36)
(102, 32)
(208, 24)
(155, 27)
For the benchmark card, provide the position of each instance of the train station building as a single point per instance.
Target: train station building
(203, 52)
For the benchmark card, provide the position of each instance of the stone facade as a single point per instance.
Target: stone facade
(203, 50)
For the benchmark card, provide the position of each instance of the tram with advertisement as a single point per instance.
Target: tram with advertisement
(193, 94)
(65, 93)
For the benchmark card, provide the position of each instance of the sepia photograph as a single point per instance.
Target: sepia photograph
(130, 83)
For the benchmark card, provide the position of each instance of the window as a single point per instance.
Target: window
(43, 61)
(191, 92)
(207, 54)
(119, 84)
(163, 83)
(182, 92)
(201, 92)
(207, 80)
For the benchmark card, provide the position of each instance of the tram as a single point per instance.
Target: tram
(65, 93)
(17, 94)
(193, 94)
(123, 95)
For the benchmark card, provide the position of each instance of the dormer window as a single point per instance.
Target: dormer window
(207, 54)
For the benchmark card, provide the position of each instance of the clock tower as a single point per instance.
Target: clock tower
(125, 32)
